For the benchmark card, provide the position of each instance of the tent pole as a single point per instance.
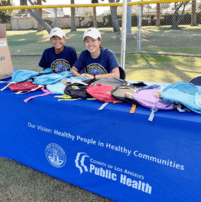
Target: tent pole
(139, 28)
(123, 34)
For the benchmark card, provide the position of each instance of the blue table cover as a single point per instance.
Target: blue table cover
(112, 153)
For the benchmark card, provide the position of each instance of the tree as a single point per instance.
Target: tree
(176, 17)
(23, 3)
(164, 6)
(147, 7)
(40, 27)
(35, 15)
(199, 7)
(193, 14)
(113, 10)
(158, 15)
(5, 14)
(94, 12)
(73, 26)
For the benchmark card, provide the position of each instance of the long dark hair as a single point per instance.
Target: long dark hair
(100, 44)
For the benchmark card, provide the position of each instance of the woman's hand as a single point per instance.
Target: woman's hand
(87, 76)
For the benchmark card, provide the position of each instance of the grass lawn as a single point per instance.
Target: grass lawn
(138, 67)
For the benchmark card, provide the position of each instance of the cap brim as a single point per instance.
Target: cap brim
(92, 36)
(59, 35)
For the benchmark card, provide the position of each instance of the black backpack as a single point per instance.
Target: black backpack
(78, 90)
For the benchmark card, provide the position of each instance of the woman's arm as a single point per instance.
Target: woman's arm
(115, 73)
(74, 71)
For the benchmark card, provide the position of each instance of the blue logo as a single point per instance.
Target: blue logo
(95, 69)
(2, 58)
(55, 155)
(60, 65)
(79, 162)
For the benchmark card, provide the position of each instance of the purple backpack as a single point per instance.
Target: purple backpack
(151, 98)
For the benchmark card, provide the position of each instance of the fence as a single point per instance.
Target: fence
(165, 28)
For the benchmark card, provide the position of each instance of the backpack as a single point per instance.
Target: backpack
(185, 93)
(24, 87)
(78, 89)
(150, 97)
(102, 88)
(25, 75)
(51, 78)
(56, 88)
(46, 92)
(121, 92)
(59, 87)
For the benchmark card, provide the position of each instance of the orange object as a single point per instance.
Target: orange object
(133, 109)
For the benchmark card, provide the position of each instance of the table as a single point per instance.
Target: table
(112, 153)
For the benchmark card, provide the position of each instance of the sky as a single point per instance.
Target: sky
(52, 2)
(99, 10)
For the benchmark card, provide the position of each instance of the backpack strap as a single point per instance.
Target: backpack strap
(103, 105)
(133, 108)
(151, 117)
(46, 92)
(180, 108)
(24, 92)
(13, 82)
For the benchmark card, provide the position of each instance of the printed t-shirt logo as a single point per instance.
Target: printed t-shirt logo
(60, 65)
(95, 69)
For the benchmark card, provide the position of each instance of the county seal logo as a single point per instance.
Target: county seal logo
(55, 155)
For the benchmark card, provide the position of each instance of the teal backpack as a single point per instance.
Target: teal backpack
(51, 78)
(185, 93)
(24, 75)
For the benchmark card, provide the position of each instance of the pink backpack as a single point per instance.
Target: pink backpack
(102, 88)
(24, 87)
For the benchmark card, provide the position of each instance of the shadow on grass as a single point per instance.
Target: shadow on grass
(162, 68)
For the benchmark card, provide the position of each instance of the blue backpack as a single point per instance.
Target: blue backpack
(185, 93)
(25, 75)
(59, 87)
(51, 78)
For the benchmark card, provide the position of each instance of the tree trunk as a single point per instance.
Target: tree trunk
(193, 14)
(158, 16)
(35, 15)
(41, 21)
(73, 26)
(176, 18)
(174, 21)
(40, 27)
(23, 3)
(94, 17)
(115, 22)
